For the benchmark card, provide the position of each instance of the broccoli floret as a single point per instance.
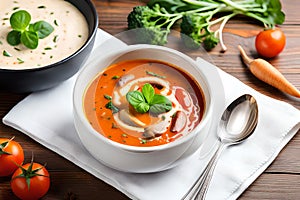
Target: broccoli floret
(195, 31)
(152, 24)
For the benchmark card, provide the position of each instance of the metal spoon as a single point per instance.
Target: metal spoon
(237, 123)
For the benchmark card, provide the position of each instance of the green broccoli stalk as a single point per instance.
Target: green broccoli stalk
(197, 18)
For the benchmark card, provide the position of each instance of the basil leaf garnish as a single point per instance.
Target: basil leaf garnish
(43, 29)
(30, 39)
(160, 104)
(147, 100)
(148, 92)
(14, 38)
(20, 20)
(111, 106)
(26, 33)
(137, 100)
(142, 107)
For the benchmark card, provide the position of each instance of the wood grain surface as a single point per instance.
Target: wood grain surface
(279, 181)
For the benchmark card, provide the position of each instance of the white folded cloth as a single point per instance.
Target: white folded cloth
(47, 118)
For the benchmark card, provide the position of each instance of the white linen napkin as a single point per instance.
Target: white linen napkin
(47, 118)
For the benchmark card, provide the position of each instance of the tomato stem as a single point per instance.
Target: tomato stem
(3, 145)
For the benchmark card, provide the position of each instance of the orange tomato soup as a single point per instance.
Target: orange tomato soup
(109, 112)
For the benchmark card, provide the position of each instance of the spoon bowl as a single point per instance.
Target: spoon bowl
(238, 120)
(237, 123)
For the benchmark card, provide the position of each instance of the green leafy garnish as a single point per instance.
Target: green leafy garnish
(143, 141)
(26, 33)
(154, 74)
(115, 77)
(111, 106)
(147, 100)
(106, 96)
(5, 53)
(20, 60)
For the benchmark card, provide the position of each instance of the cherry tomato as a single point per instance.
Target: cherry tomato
(269, 43)
(31, 185)
(11, 155)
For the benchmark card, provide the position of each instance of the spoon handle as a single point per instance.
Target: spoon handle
(208, 173)
(194, 190)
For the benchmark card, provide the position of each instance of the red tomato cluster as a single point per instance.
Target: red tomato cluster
(29, 181)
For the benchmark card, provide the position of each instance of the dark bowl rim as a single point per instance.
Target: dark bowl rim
(53, 65)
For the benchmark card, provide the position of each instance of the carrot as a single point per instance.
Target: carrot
(266, 72)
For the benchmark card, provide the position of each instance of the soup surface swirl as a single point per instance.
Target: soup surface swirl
(109, 111)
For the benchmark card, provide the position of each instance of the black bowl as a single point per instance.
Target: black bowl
(31, 80)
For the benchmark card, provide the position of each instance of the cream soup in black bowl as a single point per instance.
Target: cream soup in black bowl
(57, 56)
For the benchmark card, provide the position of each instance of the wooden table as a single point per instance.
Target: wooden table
(279, 181)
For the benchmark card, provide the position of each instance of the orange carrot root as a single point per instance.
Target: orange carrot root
(264, 71)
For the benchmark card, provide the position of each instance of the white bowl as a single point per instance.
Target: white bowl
(140, 159)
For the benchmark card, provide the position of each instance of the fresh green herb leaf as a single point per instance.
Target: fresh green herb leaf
(14, 37)
(115, 77)
(30, 39)
(26, 33)
(43, 29)
(155, 75)
(20, 60)
(110, 106)
(143, 141)
(20, 20)
(107, 97)
(142, 107)
(160, 104)
(55, 22)
(147, 100)
(55, 38)
(148, 92)
(137, 100)
(5, 53)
